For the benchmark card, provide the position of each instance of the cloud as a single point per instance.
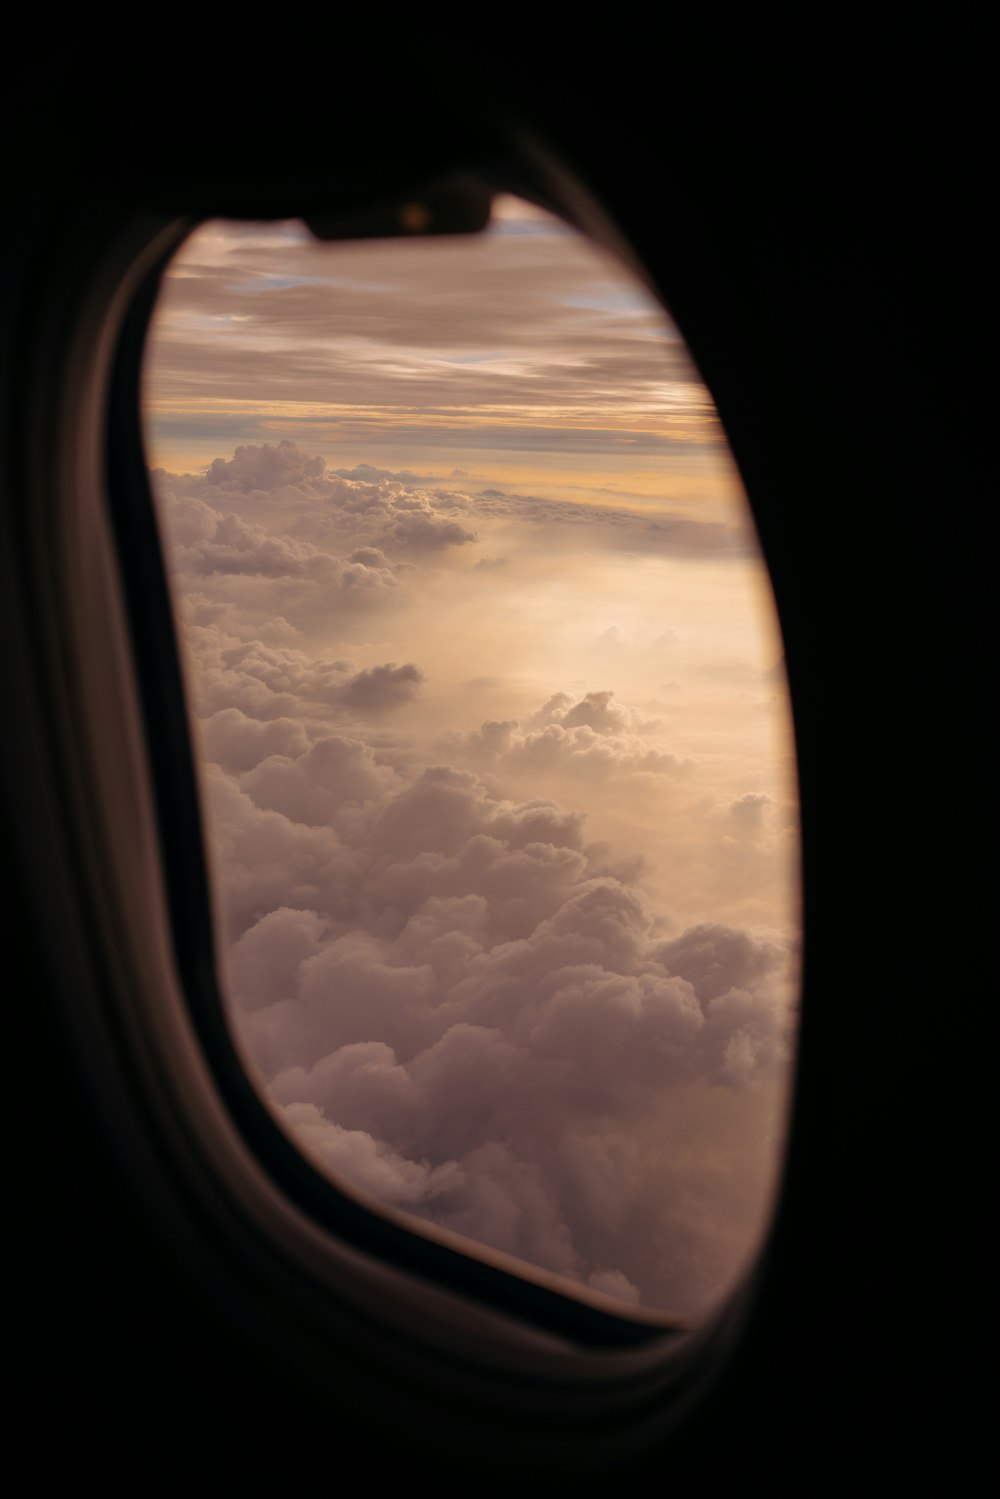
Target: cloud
(593, 737)
(312, 787)
(304, 514)
(425, 533)
(460, 1002)
(424, 326)
(470, 994)
(241, 685)
(616, 530)
(716, 959)
(377, 689)
(748, 810)
(209, 546)
(264, 468)
(305, 520)
(367, 473)
(597, 711)
(368, 1163)
(233, 739)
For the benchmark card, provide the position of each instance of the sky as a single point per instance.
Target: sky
(493, 731)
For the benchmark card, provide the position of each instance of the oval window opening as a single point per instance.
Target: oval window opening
(494, 742)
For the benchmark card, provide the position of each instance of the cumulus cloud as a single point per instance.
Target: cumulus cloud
(459, 1002)
(313, 786)
(264, 467)
(401, 514)
(272, 512)
(596, 711)
(425, 533)
(378, 688)
(471, 993)
(278, 698)
(231, 738)
(253, 564)
(593, 737)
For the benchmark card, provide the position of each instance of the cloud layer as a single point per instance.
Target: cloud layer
(460, 1001)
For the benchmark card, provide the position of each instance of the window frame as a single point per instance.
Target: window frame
(205, 1154)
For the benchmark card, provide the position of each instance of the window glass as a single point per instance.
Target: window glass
(493, 731)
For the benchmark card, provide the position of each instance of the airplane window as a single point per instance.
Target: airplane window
(494, 740)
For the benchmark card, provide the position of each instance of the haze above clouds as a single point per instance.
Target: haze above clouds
(496, 762)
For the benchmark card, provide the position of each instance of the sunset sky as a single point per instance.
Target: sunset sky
(520, 357)
(495, 739)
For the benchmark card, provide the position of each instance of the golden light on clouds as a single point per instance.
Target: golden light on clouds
(522, 349)
(679, 412)
(495, 740)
